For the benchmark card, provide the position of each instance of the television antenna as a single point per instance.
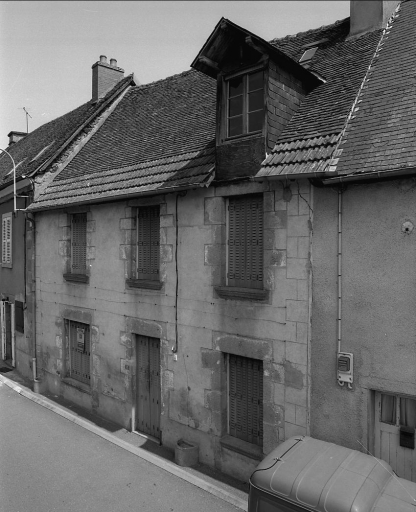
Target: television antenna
(27, 119)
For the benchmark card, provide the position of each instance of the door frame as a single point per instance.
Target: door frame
(135, 378)
(12, 330)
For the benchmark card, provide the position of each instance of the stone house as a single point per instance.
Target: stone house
(176, 250)
(34, 158)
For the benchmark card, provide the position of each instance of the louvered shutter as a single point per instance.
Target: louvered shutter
(79, 243)
(148, 240)
(6, 249)
(245, 242)
(246, 399)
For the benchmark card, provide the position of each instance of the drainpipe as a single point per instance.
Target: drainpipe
(175, 347)
(31, 219)
(339, 257)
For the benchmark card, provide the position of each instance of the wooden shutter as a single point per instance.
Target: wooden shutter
(6, 248)
(245, 242)
(246, 399)
(148, 241)
(79, 243)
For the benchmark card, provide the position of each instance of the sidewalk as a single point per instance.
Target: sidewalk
(220, 485)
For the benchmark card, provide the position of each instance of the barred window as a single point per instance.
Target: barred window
(245, 399)
(79, 344)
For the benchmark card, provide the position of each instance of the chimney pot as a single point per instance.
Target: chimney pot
(104, 77)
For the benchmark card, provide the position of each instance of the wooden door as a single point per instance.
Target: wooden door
(148, 385)
(392, 413)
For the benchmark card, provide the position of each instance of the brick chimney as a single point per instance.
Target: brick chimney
(369, 15)
(104, 77)
(15, 137)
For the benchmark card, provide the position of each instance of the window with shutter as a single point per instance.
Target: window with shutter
(6, 245)
(148, 241)
(78, 336)
(245, 241)
(79, 243)
(245, 399)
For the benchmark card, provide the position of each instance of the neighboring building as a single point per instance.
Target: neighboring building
(364, 247)
(176, 251)
(37, 157)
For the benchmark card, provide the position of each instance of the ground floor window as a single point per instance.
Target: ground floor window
(398, 410)
(245, 399)
(78, 336)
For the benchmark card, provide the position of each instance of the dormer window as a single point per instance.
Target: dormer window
(245, 104)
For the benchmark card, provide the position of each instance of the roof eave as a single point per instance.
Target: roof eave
(369, 176)
(122, 197)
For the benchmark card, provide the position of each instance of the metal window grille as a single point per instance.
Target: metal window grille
(148, 241)
(245, 241)
(6, 248)
(79, 243)
(78, 336)
(19, 316)
(245, 390)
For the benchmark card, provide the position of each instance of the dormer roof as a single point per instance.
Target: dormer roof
(230, 41)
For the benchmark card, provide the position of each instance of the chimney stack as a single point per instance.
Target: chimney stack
(369, 15)
(104, 77)
(15, 137)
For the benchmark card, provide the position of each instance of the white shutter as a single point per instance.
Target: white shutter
(6, 247)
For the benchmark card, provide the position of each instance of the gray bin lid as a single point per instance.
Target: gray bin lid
(326, 477)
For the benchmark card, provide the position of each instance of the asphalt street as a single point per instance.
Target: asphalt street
(50, 464)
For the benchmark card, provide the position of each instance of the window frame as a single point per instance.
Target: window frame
(72, 274)
(154, 232)
(226, 80)
(259, 284)
(258, 440)
(71, 373)
(7, 242)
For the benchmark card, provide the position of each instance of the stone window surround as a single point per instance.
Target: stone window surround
(128, 225)
(216, 253)
(262, 350)
(65, 243)
(86, 317)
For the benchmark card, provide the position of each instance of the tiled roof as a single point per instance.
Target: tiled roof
(380, 136)
(300, 157)
(38, 146)
(323, 113)
(160, 136)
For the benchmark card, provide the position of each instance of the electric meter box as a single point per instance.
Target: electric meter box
(345, 367)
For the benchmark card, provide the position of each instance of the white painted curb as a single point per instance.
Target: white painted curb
(206, 484)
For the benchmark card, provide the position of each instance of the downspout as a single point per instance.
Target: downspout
(31, 219)
(339, 258)
(175, 347)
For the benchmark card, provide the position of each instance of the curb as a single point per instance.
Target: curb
(168, 466)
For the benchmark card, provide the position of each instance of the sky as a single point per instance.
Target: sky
(47, 48)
